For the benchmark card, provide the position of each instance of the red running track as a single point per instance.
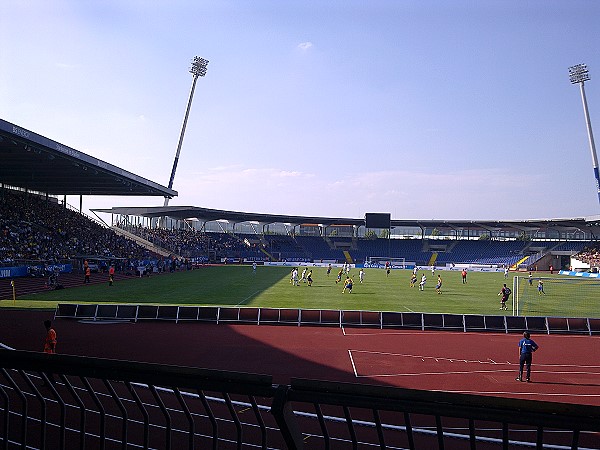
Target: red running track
(565, 369)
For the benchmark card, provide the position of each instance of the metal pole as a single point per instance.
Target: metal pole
(187, 113)
(591, 138)
(198, 69)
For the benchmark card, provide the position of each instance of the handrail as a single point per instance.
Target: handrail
(111, 396)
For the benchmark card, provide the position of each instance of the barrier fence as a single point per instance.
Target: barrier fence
(303, 317)
(101, 403)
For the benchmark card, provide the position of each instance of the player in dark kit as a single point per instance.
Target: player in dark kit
(504, 292)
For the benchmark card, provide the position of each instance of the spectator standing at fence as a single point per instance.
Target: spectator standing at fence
(111, 274)
(50, 341)
(49, 346)
(88, 273)
(526, 348)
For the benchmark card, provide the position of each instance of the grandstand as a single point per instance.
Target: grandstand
(41, 233)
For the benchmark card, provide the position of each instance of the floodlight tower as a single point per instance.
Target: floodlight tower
(580, 74)
(198, 69)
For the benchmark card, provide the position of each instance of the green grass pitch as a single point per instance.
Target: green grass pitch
(270, 287)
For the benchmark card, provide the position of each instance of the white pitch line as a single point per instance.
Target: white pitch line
(423, 357)
(247, 298)
(5, 347)
(541, 394)
(420, 374)
(352, 361)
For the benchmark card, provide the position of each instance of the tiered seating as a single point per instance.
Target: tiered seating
(318, 248)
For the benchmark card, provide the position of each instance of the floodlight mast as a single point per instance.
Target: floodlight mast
(198, 69)
(579, 74)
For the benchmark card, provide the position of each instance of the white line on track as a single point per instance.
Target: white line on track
(352, 361)
(440, 358)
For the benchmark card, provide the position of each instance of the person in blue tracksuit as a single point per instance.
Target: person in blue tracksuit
(526, 348)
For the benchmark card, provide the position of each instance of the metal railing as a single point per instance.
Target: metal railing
(61, 401)
(340, 318)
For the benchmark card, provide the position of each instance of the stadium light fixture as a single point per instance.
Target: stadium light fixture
(579, 74)
(198, 69)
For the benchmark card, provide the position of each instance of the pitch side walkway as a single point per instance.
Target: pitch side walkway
(566, 368)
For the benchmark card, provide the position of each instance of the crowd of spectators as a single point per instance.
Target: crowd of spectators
(590, 255)
(190, 243)
(34, 228)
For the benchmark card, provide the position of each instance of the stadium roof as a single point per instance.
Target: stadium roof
(585, 224)
(36, 163)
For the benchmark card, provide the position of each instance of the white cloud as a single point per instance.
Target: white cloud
(305, 45)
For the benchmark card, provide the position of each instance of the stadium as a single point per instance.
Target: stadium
(336, 371)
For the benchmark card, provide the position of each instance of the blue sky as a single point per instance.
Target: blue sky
(425, 109)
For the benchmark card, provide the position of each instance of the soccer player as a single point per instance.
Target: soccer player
(303, 277)
(413, 280)
(309, 277)
(361, 275)
(339, 276)
(438, 286)
(504, 293)
(541, 287)
(295, 277)
(464, 276)
(348, 285)
(530, 279)
(328, 269)
(505, 271)
(422, 283)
